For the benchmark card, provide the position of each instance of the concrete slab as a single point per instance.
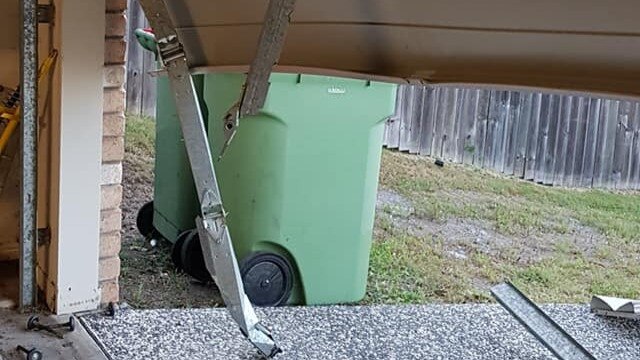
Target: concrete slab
(380, 332)
(77, 345)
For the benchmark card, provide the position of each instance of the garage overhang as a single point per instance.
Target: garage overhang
(575, 45)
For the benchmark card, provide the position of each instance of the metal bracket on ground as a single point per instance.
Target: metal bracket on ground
(547, 331)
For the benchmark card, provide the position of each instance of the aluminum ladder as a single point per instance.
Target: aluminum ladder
(212, 230)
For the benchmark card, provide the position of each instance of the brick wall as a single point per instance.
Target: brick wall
(112, 148)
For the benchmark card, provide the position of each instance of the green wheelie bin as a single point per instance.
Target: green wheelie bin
(298, 181)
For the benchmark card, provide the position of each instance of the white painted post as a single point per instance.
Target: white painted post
(80, 31)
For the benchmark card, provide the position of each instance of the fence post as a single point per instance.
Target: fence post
(141, 87)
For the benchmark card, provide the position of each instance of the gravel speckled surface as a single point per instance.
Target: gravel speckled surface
(378, 332)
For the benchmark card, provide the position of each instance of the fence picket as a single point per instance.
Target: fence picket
(634, 171)
(568, 141)
(392, 133)
(457, 143)
(442, 114)
(591, 142)
(429, 113)
(562, 140)
(407, 116)
(523, 117)
(468, 115)
(416, 120)
(624, 138)
(141, 87)
(502, 131)
(512, 121)
(550, 148)
(449, 129)
(482, 118)
(532, 137)
(579, 117)
(603, 168)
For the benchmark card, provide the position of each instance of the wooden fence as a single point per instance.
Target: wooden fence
(560, 140)
(141, 87)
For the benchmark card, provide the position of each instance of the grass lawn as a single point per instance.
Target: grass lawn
(441, 235)
(557, 245)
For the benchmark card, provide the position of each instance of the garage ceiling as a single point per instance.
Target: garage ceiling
(583, 45)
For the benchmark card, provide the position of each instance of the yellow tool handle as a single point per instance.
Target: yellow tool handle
(8, 129)
(14, 117)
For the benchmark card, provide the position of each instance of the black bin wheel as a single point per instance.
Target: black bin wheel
(192, 259)
(176, 249)
(268, 279)
(144, 220)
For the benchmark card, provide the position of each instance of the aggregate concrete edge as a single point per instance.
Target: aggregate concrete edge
(474, 331)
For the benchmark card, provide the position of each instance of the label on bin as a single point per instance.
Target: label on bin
(336, 90)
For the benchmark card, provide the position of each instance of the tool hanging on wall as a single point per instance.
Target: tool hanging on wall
(10, 108)
(10, 104)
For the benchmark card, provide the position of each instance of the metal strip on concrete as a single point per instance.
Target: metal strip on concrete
(540, 324)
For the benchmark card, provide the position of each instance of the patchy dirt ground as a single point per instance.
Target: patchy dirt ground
(446, 234)
(148, 278)
(463, 235)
